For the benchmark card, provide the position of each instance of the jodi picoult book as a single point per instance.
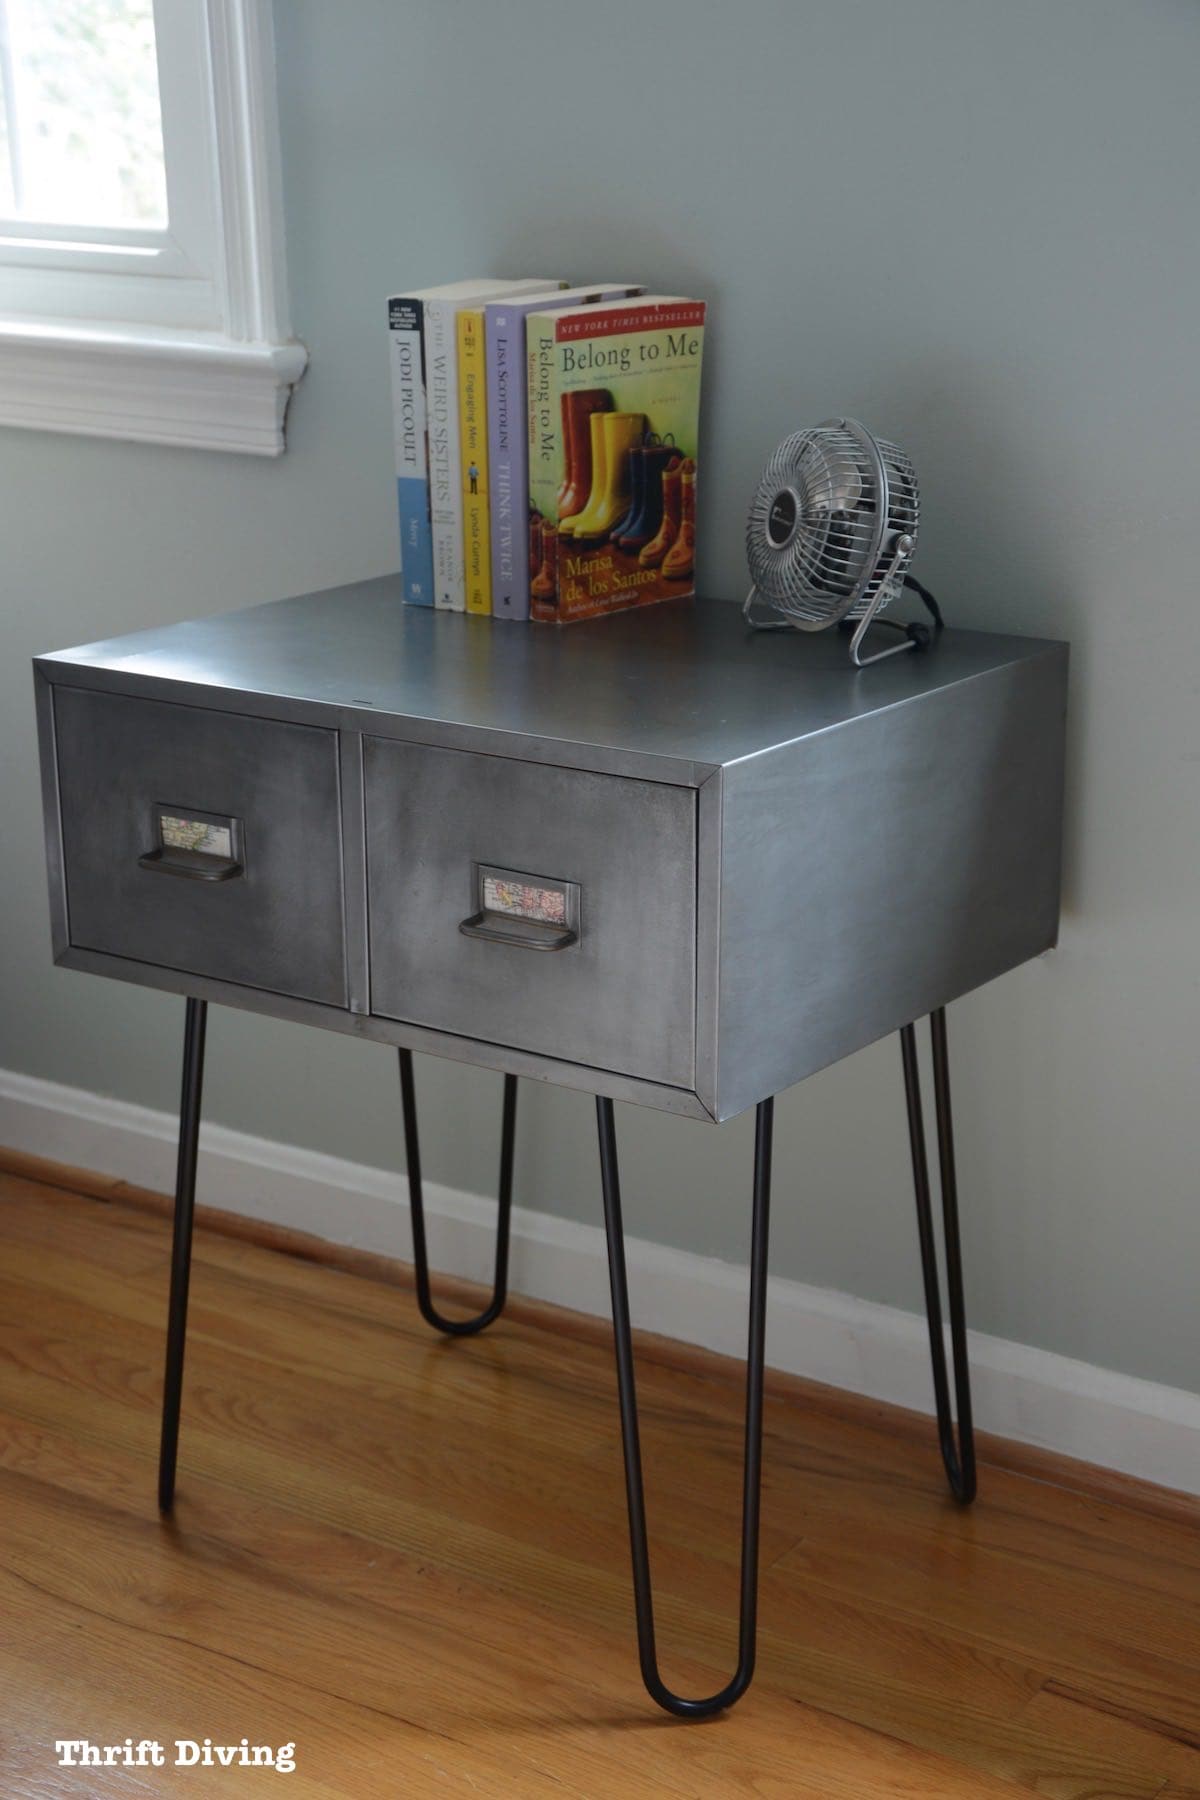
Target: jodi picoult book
(614, 413)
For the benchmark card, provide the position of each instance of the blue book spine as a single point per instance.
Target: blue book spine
(508, 460)
(406, 337)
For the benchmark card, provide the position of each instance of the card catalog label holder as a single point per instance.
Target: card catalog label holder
(199, 846)
(534, 912)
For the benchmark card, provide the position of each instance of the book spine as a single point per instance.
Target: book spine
(472, 419)
(408, 421)
(445, 491)
(544, 435)
(508, 462)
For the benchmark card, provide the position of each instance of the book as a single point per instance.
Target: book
(473, 458)
(440, 344)
(507, 435)
(405, 349)
(613, 431)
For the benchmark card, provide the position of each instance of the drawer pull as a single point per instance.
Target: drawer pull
(195, 846)
(499, 928)
(533, 912)
(190, 865)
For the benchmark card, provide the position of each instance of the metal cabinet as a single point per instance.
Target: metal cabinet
(762, 858)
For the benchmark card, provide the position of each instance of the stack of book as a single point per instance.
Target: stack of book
(546, 446)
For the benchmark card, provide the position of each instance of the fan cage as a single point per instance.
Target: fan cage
(824, 524)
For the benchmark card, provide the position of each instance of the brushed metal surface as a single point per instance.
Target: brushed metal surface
(623, 996)
(859, 847)
(872, 874)
(354, 870)
(43, 696)
(681, 1102)
(279, 925)
(671, 693)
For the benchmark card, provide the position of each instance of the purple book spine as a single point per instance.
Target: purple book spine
(508, 458)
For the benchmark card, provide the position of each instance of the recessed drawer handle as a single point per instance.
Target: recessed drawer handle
(534, 912)
(189, 865)
(530, 934)
(195, 846)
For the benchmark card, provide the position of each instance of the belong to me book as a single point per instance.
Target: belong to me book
(613, 396)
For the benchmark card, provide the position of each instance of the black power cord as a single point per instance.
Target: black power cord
(918, 633)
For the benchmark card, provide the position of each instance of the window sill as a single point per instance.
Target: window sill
(194, 389)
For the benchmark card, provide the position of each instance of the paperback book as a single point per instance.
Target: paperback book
(423, 330)
(405, 349)
(507, 469)
(472, 425)
(613, 432)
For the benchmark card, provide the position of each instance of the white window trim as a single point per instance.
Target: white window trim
(224, 389)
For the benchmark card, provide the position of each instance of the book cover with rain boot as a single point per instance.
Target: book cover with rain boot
(508, 434)
(614, 412)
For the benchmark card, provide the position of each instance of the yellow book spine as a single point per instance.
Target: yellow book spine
(472, 416)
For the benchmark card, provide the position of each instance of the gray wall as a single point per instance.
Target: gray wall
(970, 222)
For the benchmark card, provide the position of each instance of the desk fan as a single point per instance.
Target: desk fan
(831, 532)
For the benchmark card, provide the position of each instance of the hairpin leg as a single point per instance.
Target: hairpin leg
(752, 1455)
(412, 1150)
(959, 1458)
(181, 1245)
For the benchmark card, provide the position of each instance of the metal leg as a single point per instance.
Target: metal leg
(752, 1455)
(959, 1457)
(412, 1150)
(181, 1245)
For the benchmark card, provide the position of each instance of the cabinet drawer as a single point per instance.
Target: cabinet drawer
(547, 909)
(202, 841)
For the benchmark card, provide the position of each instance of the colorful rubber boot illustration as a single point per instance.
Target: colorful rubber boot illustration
(544, 586)
(680, 559)
(609, 499)
(659, 458)
(581, 408)
(535, 545)
(637, 481)
(651, 554)
(568, 441)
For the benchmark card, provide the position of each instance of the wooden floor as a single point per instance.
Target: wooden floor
(409, 1557)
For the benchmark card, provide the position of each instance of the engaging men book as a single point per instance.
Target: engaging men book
(472, 425)
(613, 432)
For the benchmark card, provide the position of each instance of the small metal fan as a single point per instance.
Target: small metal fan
(831, 532)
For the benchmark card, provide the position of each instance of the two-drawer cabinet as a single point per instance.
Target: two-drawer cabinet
(648, 857)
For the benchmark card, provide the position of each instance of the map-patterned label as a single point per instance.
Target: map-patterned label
(195, 834)
(524, 899)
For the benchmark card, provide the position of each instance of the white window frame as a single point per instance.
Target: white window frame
(178, 336)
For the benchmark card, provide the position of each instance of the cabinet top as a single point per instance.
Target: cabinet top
(685, 683)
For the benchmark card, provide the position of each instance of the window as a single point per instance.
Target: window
(141, 257)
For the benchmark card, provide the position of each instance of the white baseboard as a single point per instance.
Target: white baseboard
(1030, 1395)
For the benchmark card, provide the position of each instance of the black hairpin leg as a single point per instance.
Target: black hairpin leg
(752, 1455)
(181, 1245)
(412, 1150)
(959, 1458)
